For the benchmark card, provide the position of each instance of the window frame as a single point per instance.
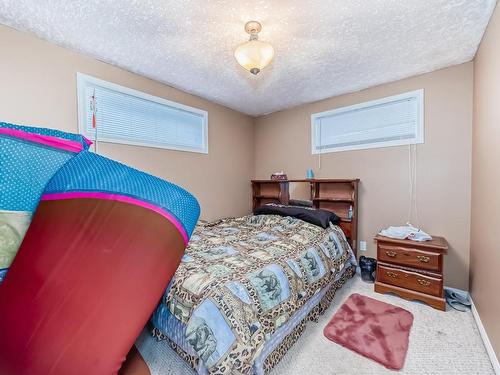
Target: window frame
(419, 138)
(83, 80)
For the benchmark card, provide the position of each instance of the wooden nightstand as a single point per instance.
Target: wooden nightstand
(412, 270)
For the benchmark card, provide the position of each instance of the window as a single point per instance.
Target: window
(127, 116)
(393, 121)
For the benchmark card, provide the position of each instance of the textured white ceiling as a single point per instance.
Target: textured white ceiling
(323, 47)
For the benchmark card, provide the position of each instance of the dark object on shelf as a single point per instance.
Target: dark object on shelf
(279, 176)
(367, 266)
(300, 203)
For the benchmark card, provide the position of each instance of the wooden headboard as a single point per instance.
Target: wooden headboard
(335, 195)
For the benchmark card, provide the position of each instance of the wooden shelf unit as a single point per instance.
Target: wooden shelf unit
(269, 191)
(338, 196)
(335, 195)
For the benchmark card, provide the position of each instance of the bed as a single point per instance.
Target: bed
(246, 288)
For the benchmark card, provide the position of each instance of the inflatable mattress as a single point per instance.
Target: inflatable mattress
(101, 248)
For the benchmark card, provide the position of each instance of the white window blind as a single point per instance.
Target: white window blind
(132, 117)
(393, 121)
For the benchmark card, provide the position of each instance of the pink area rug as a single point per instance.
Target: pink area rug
(374, 329)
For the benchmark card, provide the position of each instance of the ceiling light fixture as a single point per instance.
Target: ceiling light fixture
(254, 55)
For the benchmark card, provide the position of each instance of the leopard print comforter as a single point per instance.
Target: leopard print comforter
(241, 279)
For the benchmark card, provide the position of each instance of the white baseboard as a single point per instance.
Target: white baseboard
(482, 331)
(486, 340)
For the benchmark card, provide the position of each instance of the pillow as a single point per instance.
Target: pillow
(300, 203)
(316, 216)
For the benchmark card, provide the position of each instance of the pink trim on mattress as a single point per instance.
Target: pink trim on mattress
(63, 144)
(119, 198)
(87, 141)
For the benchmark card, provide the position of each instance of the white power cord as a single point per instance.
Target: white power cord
(412, 176)
(95, 138)
(320, 147)
(93, 106)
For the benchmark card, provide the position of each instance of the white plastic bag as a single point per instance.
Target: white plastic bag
(406, 232)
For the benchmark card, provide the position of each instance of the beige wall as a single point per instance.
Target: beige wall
(485, 251)
(38, 82)
(282, 142)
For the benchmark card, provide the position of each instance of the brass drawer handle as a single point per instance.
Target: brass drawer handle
(392, 274)
(423, 282)
(423, 258)
(392, 254)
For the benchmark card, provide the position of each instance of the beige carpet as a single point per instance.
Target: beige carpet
(440, 343)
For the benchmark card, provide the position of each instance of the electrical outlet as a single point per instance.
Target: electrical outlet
(362, 245)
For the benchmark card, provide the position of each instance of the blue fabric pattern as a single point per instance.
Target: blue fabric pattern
(25, 169)
(89, 172)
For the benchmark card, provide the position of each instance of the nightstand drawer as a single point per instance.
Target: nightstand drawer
(410, 280)
(407, 256)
